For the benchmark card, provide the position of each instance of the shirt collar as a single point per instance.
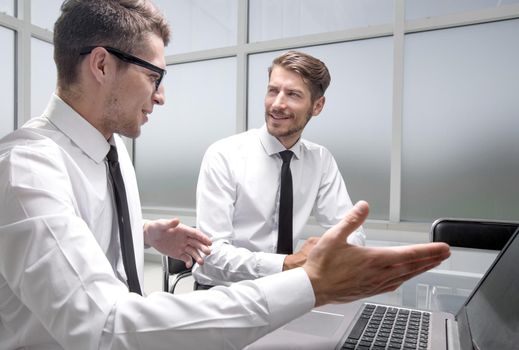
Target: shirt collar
(77, 129)
(272, 145)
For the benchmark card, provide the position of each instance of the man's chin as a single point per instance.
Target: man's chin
(278, 131)
(131, 134)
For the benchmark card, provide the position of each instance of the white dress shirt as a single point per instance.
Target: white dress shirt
(238, 203)
(60, 278)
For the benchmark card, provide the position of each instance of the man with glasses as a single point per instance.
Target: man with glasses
(70, 267)
(240, 185)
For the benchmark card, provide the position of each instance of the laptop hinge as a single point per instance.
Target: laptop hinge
(453, 337)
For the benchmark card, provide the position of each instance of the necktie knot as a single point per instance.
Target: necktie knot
(112, 155)
(286, 156)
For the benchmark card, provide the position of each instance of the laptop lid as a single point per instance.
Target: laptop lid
(489, 319)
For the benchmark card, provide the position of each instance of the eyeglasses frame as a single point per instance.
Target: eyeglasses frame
(126, 57)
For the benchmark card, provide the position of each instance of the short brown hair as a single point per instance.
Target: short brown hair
(312, 70)
(123, 24)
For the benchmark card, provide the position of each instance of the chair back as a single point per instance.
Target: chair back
(170, 267)
(468, 233)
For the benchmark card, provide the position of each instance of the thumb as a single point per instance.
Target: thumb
(351, 221)
(174, 222)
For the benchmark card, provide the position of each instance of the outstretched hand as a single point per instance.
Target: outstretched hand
(177, 240)
(341, 272)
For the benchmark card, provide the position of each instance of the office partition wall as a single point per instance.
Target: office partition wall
(200, 25)
(7, 7)
(200, 109)
(461, 123)
(44, 13)
(272, 19)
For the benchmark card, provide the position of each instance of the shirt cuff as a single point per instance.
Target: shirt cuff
(289, 295)
(269, 263)
(357, 238)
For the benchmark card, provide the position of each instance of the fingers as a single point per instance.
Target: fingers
(412, 271)
(195, 254)
(417, 252)
(191, 254)
(194, 234)
(396, 275)
(202, 238)
(198, 246)
(351, 221)
(187, 260)
(392, 285)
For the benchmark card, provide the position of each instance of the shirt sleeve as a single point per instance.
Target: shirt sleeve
(333, 200)
(215, 198)
(53, 265)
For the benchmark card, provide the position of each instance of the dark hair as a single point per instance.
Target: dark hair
(313, 71)
(123, 24)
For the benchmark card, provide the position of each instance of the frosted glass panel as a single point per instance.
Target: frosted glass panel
(45, 13)
(274, 19)
(7, 82)
(355, 124)
(200, 24)
(461, 123)
(415, 9)
(7, 7)
(43, 75)
(200, 109)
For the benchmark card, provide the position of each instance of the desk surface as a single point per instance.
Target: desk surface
(444, 288)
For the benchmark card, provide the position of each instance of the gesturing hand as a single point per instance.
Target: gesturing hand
(177, 240)
(340, 272)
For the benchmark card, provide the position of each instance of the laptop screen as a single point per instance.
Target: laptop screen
(491, 314)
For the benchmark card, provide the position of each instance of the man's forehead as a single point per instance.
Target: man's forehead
(152, 50)
(287, 79)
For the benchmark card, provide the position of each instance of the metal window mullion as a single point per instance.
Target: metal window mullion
(242, 66)
(23, 64)
(397, 113)
(493, 14)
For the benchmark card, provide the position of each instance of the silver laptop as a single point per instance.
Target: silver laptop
(488, 320)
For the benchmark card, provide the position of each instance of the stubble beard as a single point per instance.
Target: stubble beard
(296, 129)
(115, 121)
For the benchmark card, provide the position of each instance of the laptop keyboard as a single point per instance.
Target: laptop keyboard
(389, 328)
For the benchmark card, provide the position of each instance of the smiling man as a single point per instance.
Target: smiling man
(239, 195)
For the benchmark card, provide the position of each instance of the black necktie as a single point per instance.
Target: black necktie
(123, 217)
(285, 206)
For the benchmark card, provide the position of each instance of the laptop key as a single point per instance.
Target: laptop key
(357, 330)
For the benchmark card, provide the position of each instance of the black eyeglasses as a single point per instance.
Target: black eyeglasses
(126, 57)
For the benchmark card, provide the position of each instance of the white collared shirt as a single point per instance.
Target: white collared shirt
(238, 203)
(60, 280)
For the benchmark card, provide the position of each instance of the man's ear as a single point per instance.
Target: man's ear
(318, 106)
(99, 64)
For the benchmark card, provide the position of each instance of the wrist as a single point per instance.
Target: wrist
(320, 298)
(145, 235)
(292, 261)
